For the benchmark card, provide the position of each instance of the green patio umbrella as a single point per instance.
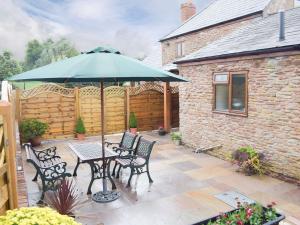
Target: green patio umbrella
(99, 65)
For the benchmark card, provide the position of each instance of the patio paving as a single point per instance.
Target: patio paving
(183, 192)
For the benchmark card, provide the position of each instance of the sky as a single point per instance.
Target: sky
(132, 26)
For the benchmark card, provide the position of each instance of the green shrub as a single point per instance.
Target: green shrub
(80, 128)
(176, 136)
(249, 160)
(32, 128)
(132, 120)
(35, 215)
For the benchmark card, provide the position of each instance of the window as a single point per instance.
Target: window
(180, 49)
(230, 92)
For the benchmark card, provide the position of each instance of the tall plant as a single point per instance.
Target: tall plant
(132, 120)
(80, 128)
(64, 199)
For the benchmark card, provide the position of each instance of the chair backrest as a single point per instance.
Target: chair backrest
(30, 154)
(128, 140)
(144, 148)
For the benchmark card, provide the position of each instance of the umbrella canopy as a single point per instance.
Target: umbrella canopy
(100, 64)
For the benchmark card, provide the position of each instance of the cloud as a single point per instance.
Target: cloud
(133, 26)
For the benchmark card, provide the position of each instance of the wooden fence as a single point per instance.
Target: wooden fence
(8, 172)
(60, 107)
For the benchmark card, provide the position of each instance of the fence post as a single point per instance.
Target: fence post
(77, 102)
(127, 107)
(10, 146)
(18, 105)
(167, 107)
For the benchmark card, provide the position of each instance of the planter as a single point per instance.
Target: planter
(36, 141)
(133, 130)
(80, 137)
(274, 222)
(177, 142)
(161, 132)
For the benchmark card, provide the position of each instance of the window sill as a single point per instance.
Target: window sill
(241, 114)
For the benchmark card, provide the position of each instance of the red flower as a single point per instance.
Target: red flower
(239, 222)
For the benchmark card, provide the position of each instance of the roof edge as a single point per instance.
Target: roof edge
(240, 54)
(213, 25)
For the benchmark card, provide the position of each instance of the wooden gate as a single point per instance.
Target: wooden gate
(8, 177)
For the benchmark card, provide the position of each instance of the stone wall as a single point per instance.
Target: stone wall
(273, 122)
(197, 40)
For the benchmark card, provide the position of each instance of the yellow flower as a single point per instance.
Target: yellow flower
(35, 215)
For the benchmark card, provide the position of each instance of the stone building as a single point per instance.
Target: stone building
(243, 62)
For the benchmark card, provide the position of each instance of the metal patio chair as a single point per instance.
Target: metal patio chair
(137, 159)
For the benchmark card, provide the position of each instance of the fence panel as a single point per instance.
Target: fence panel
(147, 102)
(60, 107)
(52, 104)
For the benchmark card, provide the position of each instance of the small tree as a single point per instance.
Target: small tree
(132, 120)
(80, 128)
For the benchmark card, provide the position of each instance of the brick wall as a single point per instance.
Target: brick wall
(197, 40)
(273, 122)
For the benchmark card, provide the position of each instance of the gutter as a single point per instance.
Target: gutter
(210, 26)
(240, 54)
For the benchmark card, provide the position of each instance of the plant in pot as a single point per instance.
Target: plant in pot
(248, 160)
(32, 131)
(80, 129)
(176, 138)
(161, 131)
(132, 123)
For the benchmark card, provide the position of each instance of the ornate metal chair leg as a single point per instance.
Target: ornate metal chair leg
(131, 174)
(76, 167)
(36, 176)
(118, 173)
(148, 173)
(114, 169)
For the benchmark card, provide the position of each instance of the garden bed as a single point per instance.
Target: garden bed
(217, 220)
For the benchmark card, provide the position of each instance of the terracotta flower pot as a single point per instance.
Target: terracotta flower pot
(133, 130)
(36, 141)
(80, 137)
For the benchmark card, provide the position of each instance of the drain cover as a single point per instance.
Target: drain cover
(231, 198)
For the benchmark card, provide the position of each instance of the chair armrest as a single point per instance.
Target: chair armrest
(107, 143)
(122, 150)
(46, 154)
(54, 171)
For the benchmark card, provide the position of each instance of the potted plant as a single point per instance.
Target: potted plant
(248, 160)
(80, 129)
(161, 131)
(132, 123)
(176, 138)
(32, 130)
(254, 214)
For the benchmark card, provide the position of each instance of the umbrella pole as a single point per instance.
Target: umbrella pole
(102, 136)
(104, 195)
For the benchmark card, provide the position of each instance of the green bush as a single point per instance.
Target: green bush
(35, 216)
(32, 128)
(176, 136)
(132, 120)
(80, 128)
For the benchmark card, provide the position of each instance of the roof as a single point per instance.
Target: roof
(261, 35)
(219, 11)
(154, 59)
